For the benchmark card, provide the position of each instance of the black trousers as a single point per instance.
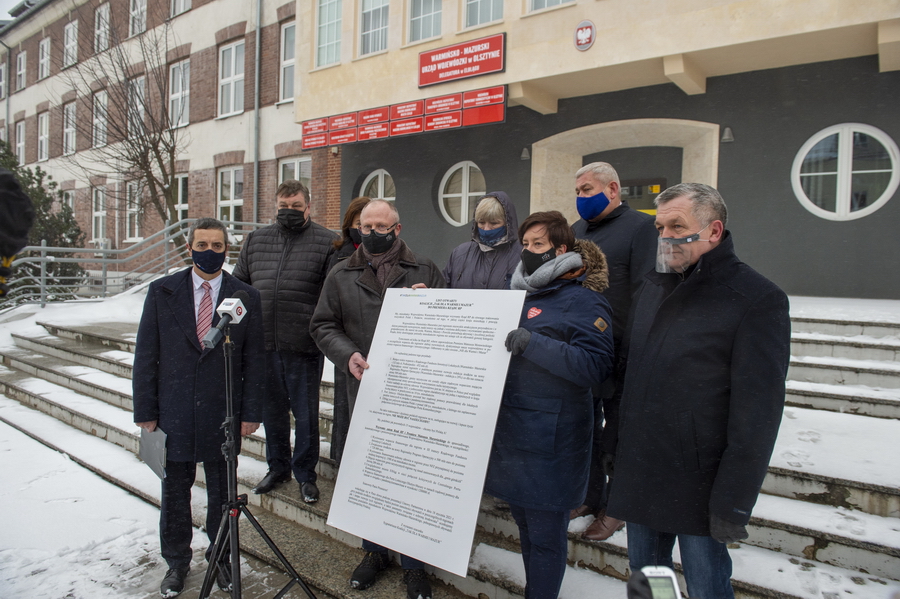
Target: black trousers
(175, 524)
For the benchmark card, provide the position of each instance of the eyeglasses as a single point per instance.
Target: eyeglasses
(381, 229)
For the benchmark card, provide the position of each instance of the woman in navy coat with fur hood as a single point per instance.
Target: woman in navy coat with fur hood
(564, 345)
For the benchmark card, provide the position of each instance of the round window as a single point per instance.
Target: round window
(461, 188)
(379, 185)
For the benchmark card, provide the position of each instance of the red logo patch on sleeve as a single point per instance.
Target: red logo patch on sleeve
(532, 312)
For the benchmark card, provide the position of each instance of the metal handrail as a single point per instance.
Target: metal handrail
(107, 271)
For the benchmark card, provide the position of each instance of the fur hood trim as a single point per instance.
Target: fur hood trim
(597, 278)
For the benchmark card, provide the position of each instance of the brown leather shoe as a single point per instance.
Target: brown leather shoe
(580, 511)
(602, 527)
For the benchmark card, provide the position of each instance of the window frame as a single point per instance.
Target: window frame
(185, 5)
(287, 63)
(70, 44)
(380, 175)
(20, 142)
(101, 28)
(99, 118)
(297, 161)
(21, 70)
(232, 80)
(3, 80)
(136, 108)
(137, 17)
(181, 192)
(233, 201)
(44, 58)
(464, 192)
(422, 17)
(375, 37)
(69, 128)
(547, 4)
(43, 147)
(182, 96)
(98, 215)
(479, 3)
(844, 172)
(133, 192)
(67, 198)
(328, 52)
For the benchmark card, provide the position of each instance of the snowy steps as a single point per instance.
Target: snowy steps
(833, 546)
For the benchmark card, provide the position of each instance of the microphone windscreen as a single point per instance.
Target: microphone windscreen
(243, 296)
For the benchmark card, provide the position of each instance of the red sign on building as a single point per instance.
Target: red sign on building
(483, 97)
(443, 104)
(315, 126)
(315, 141)
(376, 131)
(344, 136)
(444, 120)
(406, 127)
(495, 113)
(375, 115)
(342, 121)
(460, 61)
(407, 110)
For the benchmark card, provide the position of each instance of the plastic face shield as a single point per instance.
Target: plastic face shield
(674, 254)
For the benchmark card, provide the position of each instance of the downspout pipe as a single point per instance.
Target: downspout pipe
(256, 92)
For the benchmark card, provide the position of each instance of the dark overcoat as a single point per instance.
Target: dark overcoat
(182, 385)
(704, 394)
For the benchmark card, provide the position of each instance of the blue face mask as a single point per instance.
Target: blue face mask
(491, 237)
(209, 261)
(591, 207)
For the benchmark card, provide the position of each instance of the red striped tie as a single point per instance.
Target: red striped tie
(204, 315)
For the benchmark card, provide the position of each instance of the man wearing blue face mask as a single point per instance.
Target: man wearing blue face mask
(628, 238)
(287, 262)
(179, 386)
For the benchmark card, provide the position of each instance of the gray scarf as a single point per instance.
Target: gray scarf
(549, 271)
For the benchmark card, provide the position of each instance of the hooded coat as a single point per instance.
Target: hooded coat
(473, 265)
(704, 393)
(542, 444)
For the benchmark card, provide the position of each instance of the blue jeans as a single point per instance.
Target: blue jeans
(408, 563)
(293, 387)
(705, 561)
(542, 535)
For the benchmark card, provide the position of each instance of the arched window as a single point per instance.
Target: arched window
(460, 189)
(379, 185)
(846, 171)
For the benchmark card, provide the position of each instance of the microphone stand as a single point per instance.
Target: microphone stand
(228, 534)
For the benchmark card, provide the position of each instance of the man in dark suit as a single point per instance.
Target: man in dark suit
(179, 386)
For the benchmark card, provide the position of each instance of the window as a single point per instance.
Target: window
(70, 44)
(479, 12)
(846, 171)
(20, 142)
(44, 58)
(539, 4)
(98, 128)
(379, 184)
(67, 199)
(179, 93)
(137, 21)
(181, 196)
(424, 19)
(296, 168)
(231, 79)
(374, 26)
(133, 192)
(43, 136)
(98, 214)
(180, 6)
(101, 28)
(136, 106)
(288, 32)
(328, 43)
(20, 70)
(231, 194)
(69, 128)
(461, 188)
(2, 81)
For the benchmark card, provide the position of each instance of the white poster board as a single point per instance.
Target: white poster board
(413, 467)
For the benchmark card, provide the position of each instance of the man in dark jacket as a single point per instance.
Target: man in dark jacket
(628, 238)
(343, 326)
(180, 387)
(704, 392)
(287, 262)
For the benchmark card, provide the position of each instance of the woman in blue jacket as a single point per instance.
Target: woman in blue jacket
(564, 345)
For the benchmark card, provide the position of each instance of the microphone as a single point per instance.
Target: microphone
(231, 310)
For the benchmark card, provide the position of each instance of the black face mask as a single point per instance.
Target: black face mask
(378, 243)
(355, 237)
(291, 219)
(532, 261)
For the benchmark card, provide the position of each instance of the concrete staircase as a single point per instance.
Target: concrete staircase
(827, 524)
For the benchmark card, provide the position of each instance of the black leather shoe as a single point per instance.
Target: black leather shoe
(270, 481)
(310, 492)
(223, 576)
(173, 583)
(417, 585)
(366, 572)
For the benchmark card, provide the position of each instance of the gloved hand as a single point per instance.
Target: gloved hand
(517, 340)
(726, 532)
(638, 586)
(608, 461)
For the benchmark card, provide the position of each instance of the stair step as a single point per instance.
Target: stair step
(850, 327)
(843, 371)
(113, 361)
(120, 336)
(859, 347)
(877, 402)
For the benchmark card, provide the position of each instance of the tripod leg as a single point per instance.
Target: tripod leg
(222, 536)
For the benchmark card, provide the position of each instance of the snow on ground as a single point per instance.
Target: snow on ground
(839, 308)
